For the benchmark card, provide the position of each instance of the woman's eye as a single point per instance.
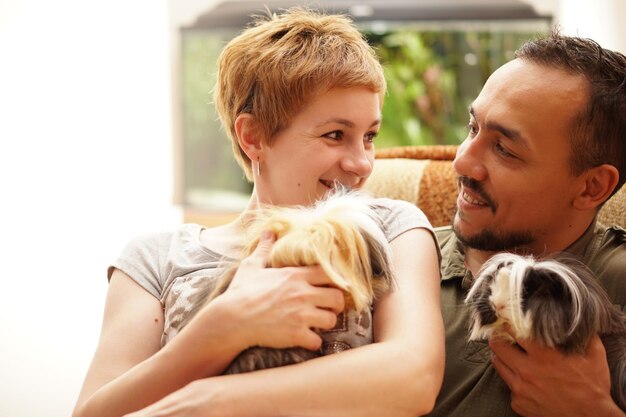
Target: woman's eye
(336, 135)
(472, 129)
(369, 137)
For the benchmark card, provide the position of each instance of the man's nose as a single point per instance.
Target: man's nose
(469, 160)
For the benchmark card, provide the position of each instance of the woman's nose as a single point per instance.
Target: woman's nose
(358, 161)
(469, 160)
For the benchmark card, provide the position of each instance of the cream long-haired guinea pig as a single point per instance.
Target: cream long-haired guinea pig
(341, 233)
(555, 302)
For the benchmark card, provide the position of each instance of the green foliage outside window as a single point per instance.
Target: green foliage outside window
(432, 79)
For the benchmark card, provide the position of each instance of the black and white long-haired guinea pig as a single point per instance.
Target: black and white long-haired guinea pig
(556, 302)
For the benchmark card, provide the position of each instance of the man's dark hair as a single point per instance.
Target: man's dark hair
(598, 133)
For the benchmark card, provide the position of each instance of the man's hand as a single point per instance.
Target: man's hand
(545, 382)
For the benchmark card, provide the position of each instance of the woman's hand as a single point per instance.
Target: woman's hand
(281, 306)
(270, 307)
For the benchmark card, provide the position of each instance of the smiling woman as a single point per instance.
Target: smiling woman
(300, 96)
(330, 141)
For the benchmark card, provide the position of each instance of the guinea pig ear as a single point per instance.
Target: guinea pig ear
(542, 283)
(553, 305)
(380, 262)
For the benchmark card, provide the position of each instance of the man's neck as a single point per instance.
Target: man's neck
(474, 259)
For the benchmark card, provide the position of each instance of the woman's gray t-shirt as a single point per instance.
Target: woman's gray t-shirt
(174, 266)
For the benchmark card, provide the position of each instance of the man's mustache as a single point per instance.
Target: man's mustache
(477, 187)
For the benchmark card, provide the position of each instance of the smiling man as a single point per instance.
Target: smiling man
(546, 148)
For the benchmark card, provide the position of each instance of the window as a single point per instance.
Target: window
(436, 61)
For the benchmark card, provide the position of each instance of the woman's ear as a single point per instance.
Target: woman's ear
(248, 135)
(597, 186)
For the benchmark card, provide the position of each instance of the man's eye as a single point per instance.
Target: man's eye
(502, 151)
(472, 129)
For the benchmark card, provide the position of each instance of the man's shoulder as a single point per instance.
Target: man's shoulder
(609, 245)
(444, 235)
(614, 234)
(608, 261)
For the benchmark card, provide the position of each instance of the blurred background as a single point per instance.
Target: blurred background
(107, 131)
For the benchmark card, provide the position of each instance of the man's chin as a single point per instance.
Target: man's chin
(490, 240)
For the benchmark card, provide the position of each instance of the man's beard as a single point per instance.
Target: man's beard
(494, 241)
(489, 239)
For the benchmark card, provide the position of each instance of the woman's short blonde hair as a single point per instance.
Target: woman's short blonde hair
(280, 63)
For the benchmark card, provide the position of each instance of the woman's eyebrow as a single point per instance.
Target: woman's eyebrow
(345, 122)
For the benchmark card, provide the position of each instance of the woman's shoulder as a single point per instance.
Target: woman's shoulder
(152, 259)
(162, 240)
(387, 207)
(398, 216)
(155, 250)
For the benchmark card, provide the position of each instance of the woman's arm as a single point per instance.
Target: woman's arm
(399, 375)
(129, 371)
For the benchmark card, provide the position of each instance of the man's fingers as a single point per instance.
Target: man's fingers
(503, 370)
(596, 348)
(506, 352)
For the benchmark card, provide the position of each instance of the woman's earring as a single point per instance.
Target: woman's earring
(258, 167)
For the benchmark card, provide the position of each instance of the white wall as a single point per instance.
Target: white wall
(601, 20)
(85, 164)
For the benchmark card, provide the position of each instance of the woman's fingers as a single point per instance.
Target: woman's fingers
(329, 298)
(260, 255)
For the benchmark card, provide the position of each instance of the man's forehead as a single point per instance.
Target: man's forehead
(528, 97)
(542, 79)
(531, 104)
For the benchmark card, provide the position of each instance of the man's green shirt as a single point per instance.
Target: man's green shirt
(471, 386)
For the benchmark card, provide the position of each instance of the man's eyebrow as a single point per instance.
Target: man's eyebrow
(512, 134)
(345, 122)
